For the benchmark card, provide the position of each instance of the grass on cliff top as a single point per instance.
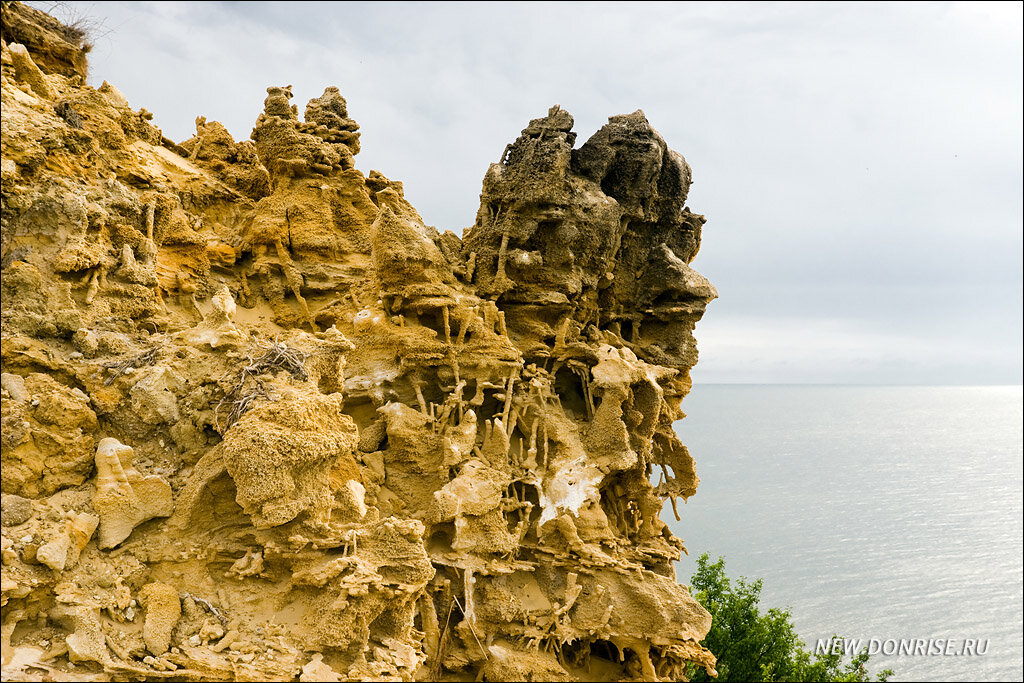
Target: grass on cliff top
(76, 27)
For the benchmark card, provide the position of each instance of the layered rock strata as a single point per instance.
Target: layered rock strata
(261, 422)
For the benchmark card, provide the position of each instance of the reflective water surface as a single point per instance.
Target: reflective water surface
(872, 512)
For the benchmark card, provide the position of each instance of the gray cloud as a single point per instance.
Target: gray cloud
(860, 165)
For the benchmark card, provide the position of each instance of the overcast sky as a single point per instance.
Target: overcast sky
(860, 165)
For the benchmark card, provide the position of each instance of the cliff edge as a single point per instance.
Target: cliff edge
(260, 422)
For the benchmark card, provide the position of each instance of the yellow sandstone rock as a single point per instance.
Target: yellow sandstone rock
(124, 498)
(163, 610)
(320, 438)
(63, 550)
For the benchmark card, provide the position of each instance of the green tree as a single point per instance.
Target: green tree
(755, 646)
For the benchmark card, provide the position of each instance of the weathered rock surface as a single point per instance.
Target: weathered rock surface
(261, 422)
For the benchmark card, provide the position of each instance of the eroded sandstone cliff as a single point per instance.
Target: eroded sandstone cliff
(261, 422)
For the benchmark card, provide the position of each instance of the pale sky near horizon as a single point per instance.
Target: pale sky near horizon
(860, 165)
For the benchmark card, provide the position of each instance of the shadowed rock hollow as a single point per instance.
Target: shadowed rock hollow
(261, 422)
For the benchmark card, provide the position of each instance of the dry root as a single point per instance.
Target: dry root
(147, 357)
(249, 387)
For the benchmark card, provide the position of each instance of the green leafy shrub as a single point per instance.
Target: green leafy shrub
(755, 646)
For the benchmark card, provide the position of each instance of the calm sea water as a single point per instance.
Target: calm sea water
(872, 512)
